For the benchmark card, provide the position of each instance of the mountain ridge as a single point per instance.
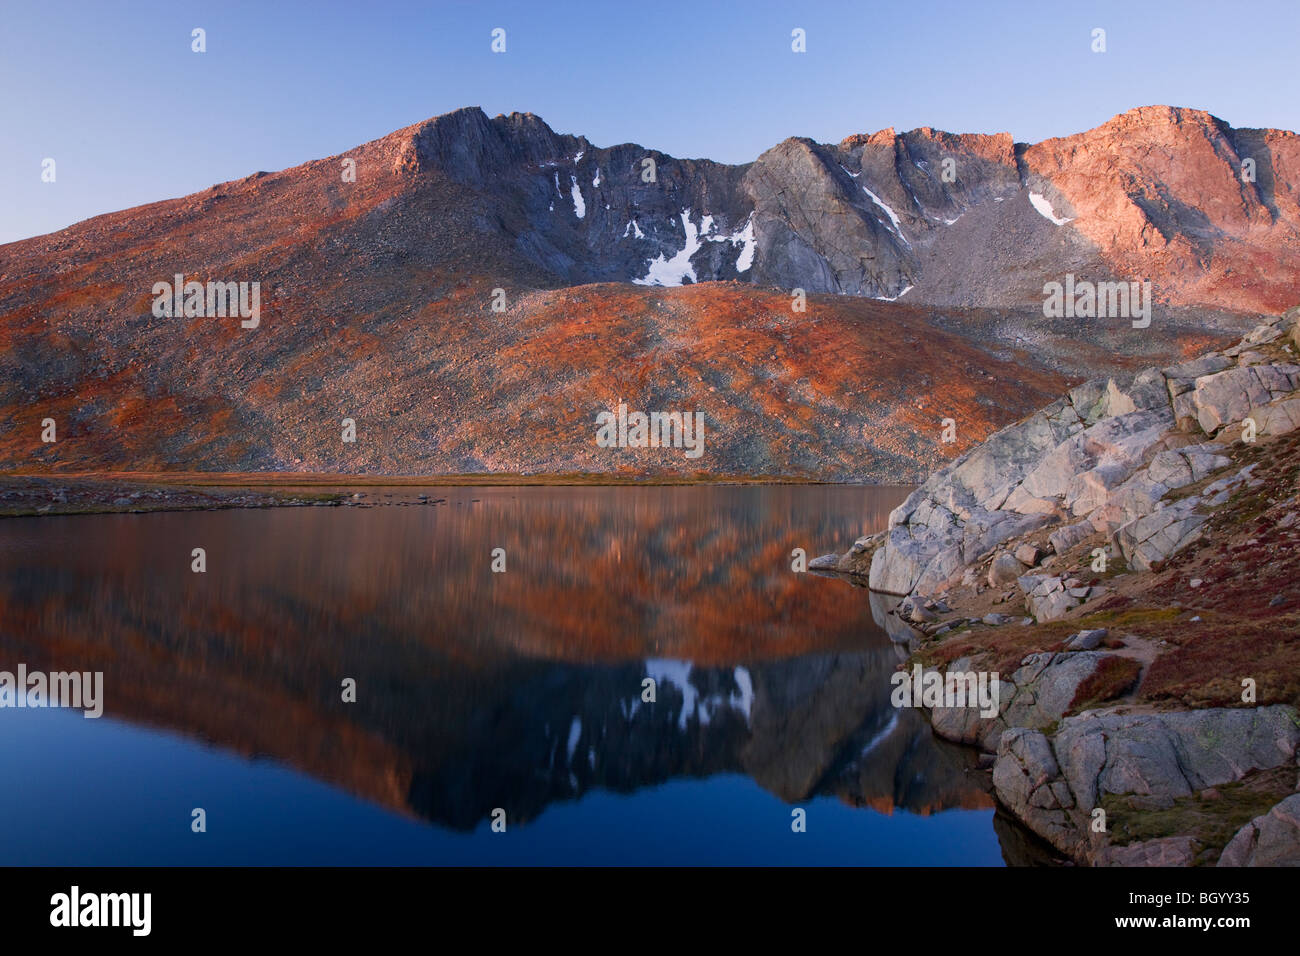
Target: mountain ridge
(379, 298)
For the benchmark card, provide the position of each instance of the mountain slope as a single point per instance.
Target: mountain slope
(376, 298)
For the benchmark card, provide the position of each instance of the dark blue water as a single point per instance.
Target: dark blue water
(477, 691)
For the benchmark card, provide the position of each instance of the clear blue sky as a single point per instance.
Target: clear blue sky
(112, 92)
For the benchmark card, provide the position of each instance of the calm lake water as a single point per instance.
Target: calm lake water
(476, 691)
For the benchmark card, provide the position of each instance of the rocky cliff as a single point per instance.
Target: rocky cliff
(1125, 562)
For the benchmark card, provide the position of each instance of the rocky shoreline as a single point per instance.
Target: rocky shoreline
(1125, 561)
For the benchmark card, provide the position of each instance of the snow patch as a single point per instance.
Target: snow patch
(1044, 207)
(674, 271)
(885, 298)
(635, 229)
(745, 236)
(893, 217)
(596, 181)
(579, 207)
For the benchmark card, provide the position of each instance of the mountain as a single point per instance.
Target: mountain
(669, 292)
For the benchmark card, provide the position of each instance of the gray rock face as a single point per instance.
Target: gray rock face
(1272, 839)
(1084, 467)
(1108, 452)
(814, 242)
(1047, 684)
(1156, 536)
(1068, 455)
(1184, 466)
(1229, 396)
(1138, 496)
(1037, 695)
(1164, 851)
(1048, 597)
(1053, 785)
(1063, 539)
(1277, 419)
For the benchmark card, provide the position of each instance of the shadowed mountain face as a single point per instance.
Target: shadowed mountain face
(377, 298)
(476, 689)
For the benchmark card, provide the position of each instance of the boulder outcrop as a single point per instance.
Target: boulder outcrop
(1110, 452)
(1053, 784)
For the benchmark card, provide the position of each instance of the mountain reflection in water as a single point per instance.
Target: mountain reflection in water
(478, 690)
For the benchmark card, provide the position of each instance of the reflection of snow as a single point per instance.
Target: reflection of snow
(702, 708)
(575, 731)
(746, 699)
(875, 741)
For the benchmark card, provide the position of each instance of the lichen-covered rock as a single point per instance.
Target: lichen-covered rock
(1046, 596)
(1053, 784)
(1162, 851)
(1063, 539)
(1154, 537)
(1229, 396)
(1272, 839)
(1276, 419)
(1037, 695)
(1178, 467)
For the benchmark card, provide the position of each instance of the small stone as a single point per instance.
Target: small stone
(920, 615)
(1028, 555)
(1195, 582)
(995, 620)
(1087, 640)
(1278, 601)
(1004, 570)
